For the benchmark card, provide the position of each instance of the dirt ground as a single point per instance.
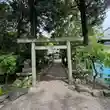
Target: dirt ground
(55, 95)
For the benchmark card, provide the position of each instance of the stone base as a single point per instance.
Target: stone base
(33, 90)
(24, 74)
(27, 70)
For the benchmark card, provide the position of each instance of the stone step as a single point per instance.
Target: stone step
(24, 74)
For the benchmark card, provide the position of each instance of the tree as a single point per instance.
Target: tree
(7, 29)
(39, 14)
(93, 53)
(87, 13)
(92, 13)
(82, 8)
(61, 17)
(54, 15)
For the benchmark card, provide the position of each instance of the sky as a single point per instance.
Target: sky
(106, 22)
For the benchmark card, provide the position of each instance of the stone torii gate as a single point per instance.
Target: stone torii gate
(34, 48)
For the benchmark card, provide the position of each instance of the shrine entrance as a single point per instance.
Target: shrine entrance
(34, 48)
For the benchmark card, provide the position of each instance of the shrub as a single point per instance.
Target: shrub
(92, 53)
(8, 63)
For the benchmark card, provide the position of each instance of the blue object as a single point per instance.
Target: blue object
(103, 72)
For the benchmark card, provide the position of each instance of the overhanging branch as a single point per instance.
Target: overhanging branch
(89, 3)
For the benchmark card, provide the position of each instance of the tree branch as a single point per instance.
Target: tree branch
(78, 4)
(89, 4)
(74, 6)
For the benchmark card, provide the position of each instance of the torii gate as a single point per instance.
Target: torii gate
(34, 48)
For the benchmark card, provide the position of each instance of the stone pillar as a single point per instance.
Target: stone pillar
(33, 59)
(70, 78)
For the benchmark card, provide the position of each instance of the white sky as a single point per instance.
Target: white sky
(106, 22)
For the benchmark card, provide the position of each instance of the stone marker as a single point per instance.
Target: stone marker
(26, 70)
(27, 66)
(32, 90)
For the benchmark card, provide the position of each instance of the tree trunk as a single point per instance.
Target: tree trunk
(96, 73)
(82, 8)
(33, 26)
(32, 17)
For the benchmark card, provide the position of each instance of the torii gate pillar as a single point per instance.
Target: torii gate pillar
(70, 78)
(33, 59)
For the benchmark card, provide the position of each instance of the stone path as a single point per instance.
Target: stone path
(56, 72)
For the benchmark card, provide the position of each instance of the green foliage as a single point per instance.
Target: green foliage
(23, 83)
(55, 14)
(17, 83)
(2, 91)
(107, 59)
(8, 63)
(94, 51)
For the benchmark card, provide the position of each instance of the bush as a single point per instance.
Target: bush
(8, 63)
(94, 52)
(23, 83)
